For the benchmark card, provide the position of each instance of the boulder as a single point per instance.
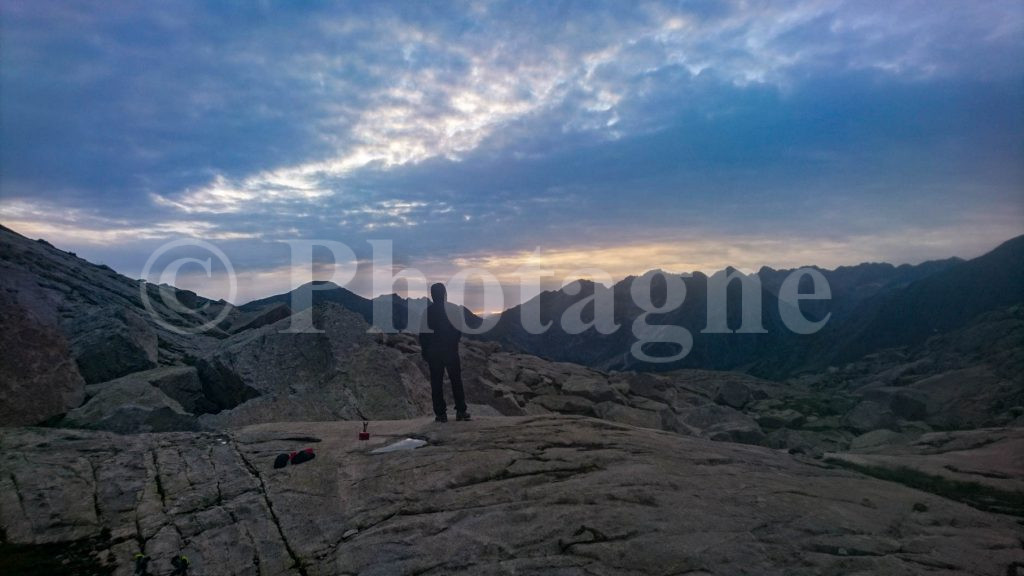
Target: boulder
(905, 403)
(620, 386)
(647, 385)
(341, 372)
(502, 400)
(876, 439)
(591, 389)
(734, 394)
(647, 404)
(110, 342)
(739, 432)
(971, 397)
(823, 423)
(38, 378)
(129, 406)
(722, 423)
(867, 416)
(809, 443)
(180, 383)
(807, 450)
(529, 378)
(565, 404)
(224, 387)
(787, 418)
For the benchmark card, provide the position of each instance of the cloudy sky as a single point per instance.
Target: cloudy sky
(626, 136)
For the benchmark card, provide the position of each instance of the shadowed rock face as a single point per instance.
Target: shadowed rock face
(129, 405)
(66, 322)
(538, 495)
(111, 342)
(339, 372)
(38, 379)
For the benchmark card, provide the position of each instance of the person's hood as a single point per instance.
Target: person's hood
(438, 293)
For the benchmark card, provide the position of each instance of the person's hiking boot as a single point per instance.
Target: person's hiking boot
(441, 418)
(462, 416)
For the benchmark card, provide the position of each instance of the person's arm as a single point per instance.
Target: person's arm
(457, 312)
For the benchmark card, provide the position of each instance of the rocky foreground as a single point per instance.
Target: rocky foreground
(160, 420)
(503, 495)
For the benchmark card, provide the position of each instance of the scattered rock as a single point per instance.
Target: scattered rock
(591, 389)
(868, 416)
(734, 394)
(788, 418)
(905, 403)
(565, 404)
(722, 423)
(822, 424)
(741, 432)
(806, 442)
(876, 439)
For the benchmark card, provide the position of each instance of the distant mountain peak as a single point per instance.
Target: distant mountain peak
(320, 284)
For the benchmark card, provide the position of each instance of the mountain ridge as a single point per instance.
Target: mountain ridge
(857, 292)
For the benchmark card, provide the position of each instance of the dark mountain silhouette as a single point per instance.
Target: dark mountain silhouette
(612, 351)
(320, 292)
(851, 285)
(935, 304)
(873, 306)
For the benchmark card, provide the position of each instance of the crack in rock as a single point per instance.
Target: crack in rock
(298, 564)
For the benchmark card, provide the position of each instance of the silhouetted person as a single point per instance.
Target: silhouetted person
(439, 341)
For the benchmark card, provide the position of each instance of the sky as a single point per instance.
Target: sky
(578, 135)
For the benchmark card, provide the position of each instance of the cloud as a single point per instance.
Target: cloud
(450, 94)
(77, 227)
(467, 129)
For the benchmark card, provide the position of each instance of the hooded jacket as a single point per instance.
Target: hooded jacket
(439, 338)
